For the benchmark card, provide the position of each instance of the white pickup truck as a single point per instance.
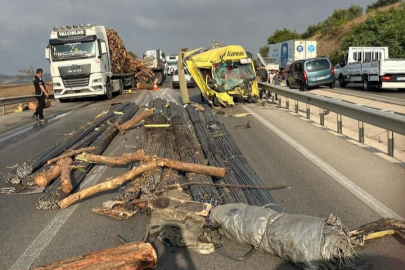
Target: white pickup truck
(372, 67)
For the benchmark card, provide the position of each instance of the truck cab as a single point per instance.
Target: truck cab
(80, 62)
(156, 61)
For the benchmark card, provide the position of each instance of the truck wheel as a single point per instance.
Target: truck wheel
(342, 81)
(366, 84)
(109, 93)
(133, 82)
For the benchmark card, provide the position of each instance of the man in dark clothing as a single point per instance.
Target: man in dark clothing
(41, 94)
(263, 74)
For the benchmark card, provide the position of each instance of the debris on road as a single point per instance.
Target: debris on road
(238, 115)
(134, 256)
(247, 125)
(308, 242)
(134, 120)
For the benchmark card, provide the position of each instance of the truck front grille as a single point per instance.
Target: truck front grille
(76, 82)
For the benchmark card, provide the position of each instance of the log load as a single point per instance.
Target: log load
(122, 62)
(131, 256)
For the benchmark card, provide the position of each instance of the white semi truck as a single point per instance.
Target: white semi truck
(372, 66)
(156, 61)
(284, 53)
(171, 61)
(80, 63)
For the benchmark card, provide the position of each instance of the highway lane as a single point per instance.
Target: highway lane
(393, 96)
(313, 191)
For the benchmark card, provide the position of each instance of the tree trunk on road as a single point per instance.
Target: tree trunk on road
(131, 256)
(134, 120)
(66, 182)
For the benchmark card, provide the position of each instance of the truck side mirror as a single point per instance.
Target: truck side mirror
(47, 52)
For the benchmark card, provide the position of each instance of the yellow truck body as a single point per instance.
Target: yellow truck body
(223, 74)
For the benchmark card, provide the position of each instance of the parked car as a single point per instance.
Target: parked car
(309, 73)
(189, 80)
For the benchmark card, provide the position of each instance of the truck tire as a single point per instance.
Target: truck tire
(109, 93)
(342, 81)
(133, 82)
(366, 84)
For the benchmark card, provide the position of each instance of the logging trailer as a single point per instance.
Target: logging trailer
(80, 63)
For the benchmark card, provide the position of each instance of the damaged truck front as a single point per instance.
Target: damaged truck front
(223, 74)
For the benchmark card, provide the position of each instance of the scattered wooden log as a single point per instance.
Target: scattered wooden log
(150, 165)
(46, 177)
(134, 120)
(71, 154)
(131, 256)
(139, 155)
(107, 185)
(66, 182)
(147, 86)
(117, 161)
(32, 105)
(197, 107)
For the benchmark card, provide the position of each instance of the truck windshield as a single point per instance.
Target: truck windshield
(73, 50)
(230, 75)
(317, 65)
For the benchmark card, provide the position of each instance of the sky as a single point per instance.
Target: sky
(25, 25)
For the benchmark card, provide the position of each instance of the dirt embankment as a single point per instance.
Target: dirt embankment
(330, 43)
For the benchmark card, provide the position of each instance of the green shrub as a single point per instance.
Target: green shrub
(282, 35)
(381, 3)
(385, 28)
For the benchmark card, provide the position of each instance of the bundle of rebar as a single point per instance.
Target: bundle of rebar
(54, 192)
(188, 149)
(244, 173)
(154, 145)
(38, 161)
(216, 158)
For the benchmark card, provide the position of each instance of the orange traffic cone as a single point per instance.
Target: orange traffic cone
(155, 87)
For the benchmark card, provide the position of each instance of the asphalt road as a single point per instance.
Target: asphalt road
(324, 171)
(393, 96)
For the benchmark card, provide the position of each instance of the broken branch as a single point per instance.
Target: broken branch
(71, 154)
(46, 177)
(134, 120)
(117, 161)
(66, 182)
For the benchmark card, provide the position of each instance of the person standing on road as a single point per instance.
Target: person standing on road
(263, 74)
(40, 94)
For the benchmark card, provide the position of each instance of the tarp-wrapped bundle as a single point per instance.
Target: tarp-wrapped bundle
(306, 241)
(122, 62)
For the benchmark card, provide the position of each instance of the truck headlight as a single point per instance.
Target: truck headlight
(97, 80)
(56, 84)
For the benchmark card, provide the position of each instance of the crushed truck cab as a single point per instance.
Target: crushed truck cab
(223, 74)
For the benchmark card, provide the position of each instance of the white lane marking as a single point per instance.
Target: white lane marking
(361, 194)
(28, 257)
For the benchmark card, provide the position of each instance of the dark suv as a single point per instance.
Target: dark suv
(308, 73)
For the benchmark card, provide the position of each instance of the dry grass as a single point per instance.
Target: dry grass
(329, 43)
(20, 90)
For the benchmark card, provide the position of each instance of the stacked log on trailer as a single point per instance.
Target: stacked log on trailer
(122, 62)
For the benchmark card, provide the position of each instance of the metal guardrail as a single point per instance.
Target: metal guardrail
(16, 100)
(384, 119)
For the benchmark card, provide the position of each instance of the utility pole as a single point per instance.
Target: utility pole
(182, 77)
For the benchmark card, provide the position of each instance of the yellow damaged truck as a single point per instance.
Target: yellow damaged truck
(223, 74)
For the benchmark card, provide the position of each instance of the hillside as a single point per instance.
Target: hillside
(329, 43)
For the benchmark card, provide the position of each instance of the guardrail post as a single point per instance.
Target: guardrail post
(3, 108)
(308, 111)
(321, 116)
(361, 132)
(339, 124)
(296, 106)
(390, 143)
(272, 97)
(287, 104)
(279, 101)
